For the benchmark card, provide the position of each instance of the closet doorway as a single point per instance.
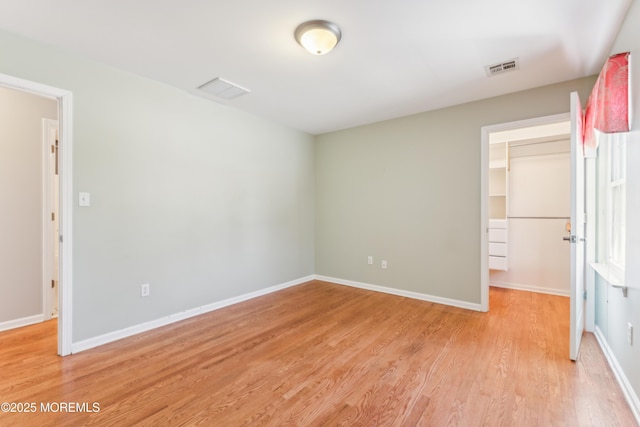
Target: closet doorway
(537, 210)
(526, 172)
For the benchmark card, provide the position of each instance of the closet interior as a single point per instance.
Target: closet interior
(529, 209)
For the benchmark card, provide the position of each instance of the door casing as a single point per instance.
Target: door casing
(49, 209)
(484, 212)
(65, 144)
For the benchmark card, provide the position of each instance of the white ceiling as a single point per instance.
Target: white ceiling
(396, 57)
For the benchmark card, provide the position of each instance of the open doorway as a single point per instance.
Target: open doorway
(532, 211)
(26, 187)
(35, 302)
(518, 212)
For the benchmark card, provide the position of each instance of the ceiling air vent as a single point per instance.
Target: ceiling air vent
(503, 67)
(223, 89)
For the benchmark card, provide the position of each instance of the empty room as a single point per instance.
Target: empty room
(328, 213)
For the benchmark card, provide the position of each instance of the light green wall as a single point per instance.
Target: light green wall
(21, 195)
(408, 190)
(200, 200)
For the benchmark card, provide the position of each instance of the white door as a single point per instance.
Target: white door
(577, 229)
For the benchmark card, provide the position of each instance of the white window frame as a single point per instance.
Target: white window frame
(612, 171)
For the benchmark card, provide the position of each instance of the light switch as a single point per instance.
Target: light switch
(84, 199)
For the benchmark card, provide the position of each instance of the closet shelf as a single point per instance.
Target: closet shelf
(498, 190)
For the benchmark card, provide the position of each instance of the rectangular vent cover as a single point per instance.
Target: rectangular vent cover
(503, 67)
(223, 89)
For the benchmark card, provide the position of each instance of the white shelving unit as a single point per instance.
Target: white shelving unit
(498, 203)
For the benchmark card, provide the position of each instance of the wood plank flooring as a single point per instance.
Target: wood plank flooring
(321, 354)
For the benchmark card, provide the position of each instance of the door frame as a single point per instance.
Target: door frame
(485, 131)
(65, 144)
(48, 209)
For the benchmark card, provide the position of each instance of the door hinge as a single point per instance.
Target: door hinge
(584, 296)
(53, 284)
(53, 216)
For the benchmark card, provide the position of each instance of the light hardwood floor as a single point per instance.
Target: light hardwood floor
(321, 354)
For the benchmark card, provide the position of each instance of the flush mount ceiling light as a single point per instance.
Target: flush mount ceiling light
(318, 36)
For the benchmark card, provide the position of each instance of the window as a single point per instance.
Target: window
(612, 201)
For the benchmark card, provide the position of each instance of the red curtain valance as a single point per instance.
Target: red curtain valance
(608, 105)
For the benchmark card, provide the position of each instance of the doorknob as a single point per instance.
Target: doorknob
(567, 238)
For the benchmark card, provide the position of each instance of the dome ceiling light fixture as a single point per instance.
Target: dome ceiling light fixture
(318, 36)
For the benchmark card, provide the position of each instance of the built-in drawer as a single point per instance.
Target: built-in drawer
(497, 263)
(497, 235)
(498, 249)
(497, 223)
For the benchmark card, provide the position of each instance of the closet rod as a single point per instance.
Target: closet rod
(522, 144)
(538, 217)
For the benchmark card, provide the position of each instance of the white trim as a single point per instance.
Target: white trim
(484, 219)
(529, 288)
(65, 112)
(47, 253)
(591, 189)
(485, 131)
(402, 293)
(625, 385)
(24, 321)
(65, 172)
(47, 207)
(609, 275)
(176, 317)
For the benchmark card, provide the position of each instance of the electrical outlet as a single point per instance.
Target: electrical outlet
(383, 264)
(630, 333)
(145, 289)
(370, 260)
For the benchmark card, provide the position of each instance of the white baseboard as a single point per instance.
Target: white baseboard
(529, 288)
(625, 385)
(403, 293)
(18, 323)
(176, 317)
